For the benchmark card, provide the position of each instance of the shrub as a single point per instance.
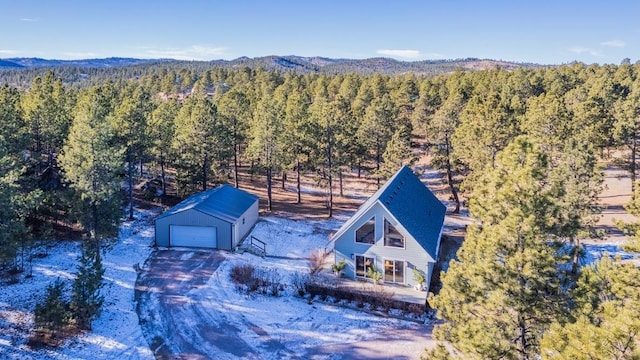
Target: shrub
(299, 282)
(316, 259)
(339, 267)
(374, 274)
(419, 277)
(52, 315)
(242, 274)
(272, 282)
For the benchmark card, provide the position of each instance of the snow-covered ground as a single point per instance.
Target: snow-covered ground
(116, 333)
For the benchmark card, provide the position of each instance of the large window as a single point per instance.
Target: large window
(394, 271)
(366, 233)
(392, 237)
(363, 263)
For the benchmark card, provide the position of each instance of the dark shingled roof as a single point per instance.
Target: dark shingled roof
(413, 205)
(224, 202)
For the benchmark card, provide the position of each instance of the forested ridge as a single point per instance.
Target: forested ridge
(522, 146)
(20, 72)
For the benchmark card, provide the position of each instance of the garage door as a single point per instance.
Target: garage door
(193, 236)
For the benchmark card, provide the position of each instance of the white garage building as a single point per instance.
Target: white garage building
(217, 218)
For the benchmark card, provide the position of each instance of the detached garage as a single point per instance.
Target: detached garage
(218, 219)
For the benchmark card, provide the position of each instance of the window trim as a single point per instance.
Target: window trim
(355, 233)
(384, 235)
(404, 272)
(355, 265)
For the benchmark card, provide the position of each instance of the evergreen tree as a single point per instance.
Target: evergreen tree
(52, 315)
(92, 164)
(298, 129)
(234, 110)
(605, 323)
(86, 299)
(130, 126)
(502, 293)
(264, 146)
(398, 152)
(18, 199)
(201, 144)
(161, 133)
(377, 128)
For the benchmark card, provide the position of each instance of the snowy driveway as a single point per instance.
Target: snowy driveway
(189, 309)
(172, 317)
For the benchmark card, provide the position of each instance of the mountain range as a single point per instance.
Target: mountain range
(288, 63)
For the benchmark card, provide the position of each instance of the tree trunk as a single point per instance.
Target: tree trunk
(341, 183)
(632, 167)
(163, 175)
(269, 204)
(330, 194)
(130, 171)
(378, 160)
(298, 185)
(204, 172)
(576, 252)
(235, 164)
(454, 192)
(284, 178)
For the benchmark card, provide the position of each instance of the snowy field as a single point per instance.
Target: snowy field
(116, 333)
(270, 327)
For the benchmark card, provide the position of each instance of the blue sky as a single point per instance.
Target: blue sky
(544, 31)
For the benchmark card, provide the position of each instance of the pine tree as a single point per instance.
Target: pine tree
(52, 315)
(398, 152)
(92, 164)
(86, 299)
(502, 293)
(130, 126)
(377, 128)
(605, 322)
(234, 110)
(264, 145)
(201, 144)
(161, 133)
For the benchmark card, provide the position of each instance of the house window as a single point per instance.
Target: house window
(392, 237)
(394, 271)
(363, 263)
(366, 233)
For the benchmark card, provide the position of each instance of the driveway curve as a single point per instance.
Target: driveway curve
(172, 320)
(181, 319)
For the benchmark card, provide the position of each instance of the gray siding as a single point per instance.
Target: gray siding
(413, 254)
(245, 223)
(194, 218)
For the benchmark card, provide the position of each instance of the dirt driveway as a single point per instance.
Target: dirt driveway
(179, 322)
(171, 320)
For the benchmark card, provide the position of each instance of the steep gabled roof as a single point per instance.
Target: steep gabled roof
(224, 202)
(412, 204)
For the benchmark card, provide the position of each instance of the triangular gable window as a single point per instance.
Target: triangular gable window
(392, 236)
(366, 233)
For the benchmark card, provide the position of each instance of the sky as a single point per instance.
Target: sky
(543, 31)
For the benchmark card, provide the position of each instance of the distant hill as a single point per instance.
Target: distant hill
(89, 63)
(6, 64)
(368, 66)
(294, 63)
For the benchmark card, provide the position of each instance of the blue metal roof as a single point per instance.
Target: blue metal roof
(224, 202)
(412, 204)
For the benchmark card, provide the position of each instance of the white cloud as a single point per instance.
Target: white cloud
(9, 52)
(585, 50)
(79, 55)
(29, 20)
(194, 52)
(614, 43)
(409, 54)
